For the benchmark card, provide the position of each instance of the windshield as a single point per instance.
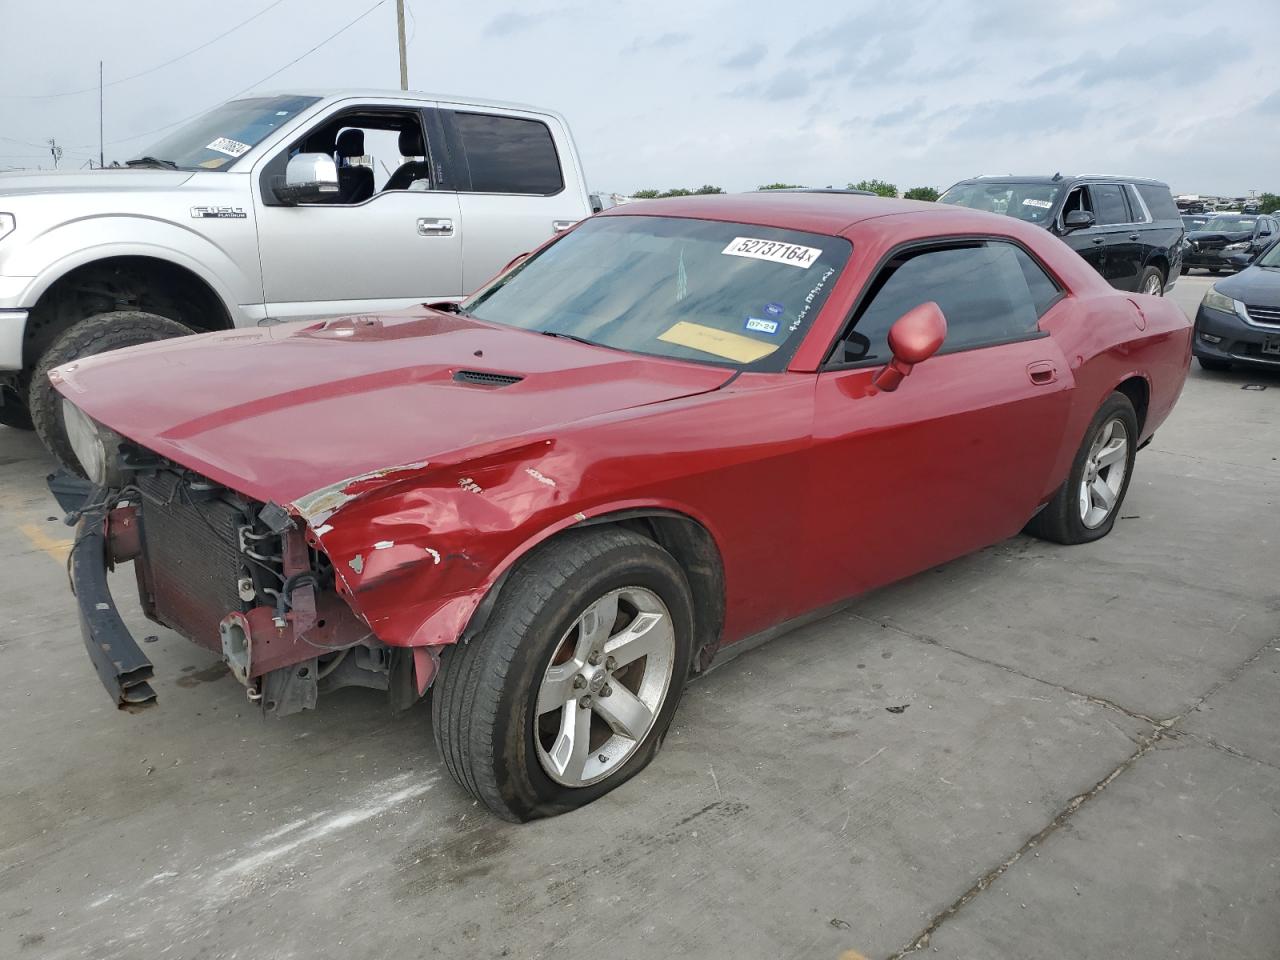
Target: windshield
(1270, 258)
(215, 140)
(1195, 222)
(1230, 225)
(1032, 202)
(727, 293)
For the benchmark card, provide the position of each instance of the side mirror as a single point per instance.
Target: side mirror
(309, 178)
(914, 337)
(1078, 220)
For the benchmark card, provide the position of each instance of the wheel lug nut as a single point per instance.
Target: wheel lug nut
(606, 690)
(593, 658)
(579, 682)
(610, 664)
(585, 703)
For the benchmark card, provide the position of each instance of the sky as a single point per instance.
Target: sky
(736, 94)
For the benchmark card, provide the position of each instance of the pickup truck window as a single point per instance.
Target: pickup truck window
(509, 154)
(215, 140)
(733, 294)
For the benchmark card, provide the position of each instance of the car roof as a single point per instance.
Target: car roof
(833, 214)
(338, 94)
(1062, 178)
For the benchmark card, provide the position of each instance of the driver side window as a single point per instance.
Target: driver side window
(376, 151)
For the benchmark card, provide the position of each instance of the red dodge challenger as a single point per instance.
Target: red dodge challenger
(675, 427)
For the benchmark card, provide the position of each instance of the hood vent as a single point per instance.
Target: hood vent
(482, 378)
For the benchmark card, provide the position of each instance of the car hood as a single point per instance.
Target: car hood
(1234, 236)
(1256, 286)
(284, 411)
(112, 179)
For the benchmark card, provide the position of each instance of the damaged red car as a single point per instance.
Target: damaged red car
(680, 425)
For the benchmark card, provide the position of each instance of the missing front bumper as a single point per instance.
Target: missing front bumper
(122, 666)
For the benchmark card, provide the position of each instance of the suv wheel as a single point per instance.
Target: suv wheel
(569, 689)
(1152, 282)
(93, 335)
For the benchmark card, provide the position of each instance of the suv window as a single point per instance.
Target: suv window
(509, 154)
(1109, 205)
(1158, 200)
(989, 291)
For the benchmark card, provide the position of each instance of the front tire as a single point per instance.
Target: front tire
(1151, 282)
(91, 336)
(570, 687)
(1086, 506)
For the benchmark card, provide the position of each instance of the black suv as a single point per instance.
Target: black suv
(1128, 229)
(1229, 241)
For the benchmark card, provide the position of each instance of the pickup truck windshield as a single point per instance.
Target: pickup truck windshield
(733, 294)
(214, 140)
(1033, 202)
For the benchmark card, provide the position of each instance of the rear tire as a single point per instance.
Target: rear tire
(509, 701)
(1075, 514)
(1214, 366)
(91, 336)
(1151, 282)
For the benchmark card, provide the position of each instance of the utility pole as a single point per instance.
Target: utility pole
(100, 164)
(404, 66)
(55, 151)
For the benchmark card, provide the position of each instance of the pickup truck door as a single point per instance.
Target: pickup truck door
(517, 180)
(386, 251)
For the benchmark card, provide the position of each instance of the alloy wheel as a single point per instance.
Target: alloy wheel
(604, 686)
(1104, 473)
(1155, 286)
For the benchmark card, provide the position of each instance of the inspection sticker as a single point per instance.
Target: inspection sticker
(232, 148)
(774, 309)
(1032, 202)
(792, 254)
(760, 325)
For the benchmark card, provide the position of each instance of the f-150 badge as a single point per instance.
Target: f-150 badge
(218, 213)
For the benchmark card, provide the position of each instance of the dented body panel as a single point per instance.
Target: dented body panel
(425, 453)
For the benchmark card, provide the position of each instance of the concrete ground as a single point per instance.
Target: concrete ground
(1087, 765)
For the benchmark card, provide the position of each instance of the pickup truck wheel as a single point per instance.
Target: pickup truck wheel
(13, 411)
(93, 335)
(1086, 506)
(1152, 282)
(569, 689)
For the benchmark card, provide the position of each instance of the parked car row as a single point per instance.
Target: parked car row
(1228, 242)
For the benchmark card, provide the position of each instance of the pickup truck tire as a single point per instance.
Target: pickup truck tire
(512, 697)
(1105, 459)
(14, 412)
(93, 335)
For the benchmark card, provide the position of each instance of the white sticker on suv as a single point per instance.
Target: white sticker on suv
(232, 148)
(1032, 202)
(792, 254)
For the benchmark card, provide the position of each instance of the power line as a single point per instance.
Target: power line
(135, 76)
(256, 83)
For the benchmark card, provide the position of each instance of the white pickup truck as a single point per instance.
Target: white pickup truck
(272, 207)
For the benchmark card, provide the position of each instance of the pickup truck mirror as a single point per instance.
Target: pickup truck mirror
(1078, 220)
(309, 178)
(914, 337)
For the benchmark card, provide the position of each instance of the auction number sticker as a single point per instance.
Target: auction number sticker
(1032, 202)
(792, 254)
(232, 148)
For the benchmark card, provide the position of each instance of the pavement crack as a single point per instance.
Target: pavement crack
(1208, 741)
(1066, 813)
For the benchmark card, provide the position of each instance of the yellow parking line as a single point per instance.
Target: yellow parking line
(55, 548)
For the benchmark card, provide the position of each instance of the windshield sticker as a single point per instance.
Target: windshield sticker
(1033, 202)
(232, 148)
(808, 300)
(213, 163)
(792, 254)
(758, 325)
(718, 343)
(774, 309)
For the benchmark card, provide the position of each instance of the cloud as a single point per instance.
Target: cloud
(745, 58)
(904, 113)
(1017, 119)
(514, 21)
(663, 41)
(786, 85)
(1183, 62)
(1269, 104)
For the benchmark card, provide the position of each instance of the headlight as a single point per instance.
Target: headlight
(1236, 246)
(8, 223)
(87, 441)
(1218, 301)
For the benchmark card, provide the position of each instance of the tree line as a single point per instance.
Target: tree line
(881, 188)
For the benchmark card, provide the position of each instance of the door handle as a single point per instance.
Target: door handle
(1098, 240)
(1042, 372)
(435, 227)
(559, 225)
(1133, 236)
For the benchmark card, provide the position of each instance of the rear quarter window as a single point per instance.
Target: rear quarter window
(1158, 200)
